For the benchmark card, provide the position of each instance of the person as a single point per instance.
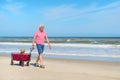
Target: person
(22, 51)
(39, 37)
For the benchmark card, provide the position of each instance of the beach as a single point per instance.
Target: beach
(60, 40)
(69, 59)
(60, 69)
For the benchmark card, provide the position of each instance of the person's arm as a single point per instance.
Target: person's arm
(48, 42)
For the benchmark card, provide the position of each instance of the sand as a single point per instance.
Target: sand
(60, 69)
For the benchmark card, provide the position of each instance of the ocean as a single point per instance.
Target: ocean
(82, 48)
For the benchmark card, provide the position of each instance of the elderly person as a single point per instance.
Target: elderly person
(38, 38)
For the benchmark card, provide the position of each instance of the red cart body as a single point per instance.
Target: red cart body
(21, 58)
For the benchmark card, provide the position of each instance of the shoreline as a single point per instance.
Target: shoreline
(71, 59)
(67, 60)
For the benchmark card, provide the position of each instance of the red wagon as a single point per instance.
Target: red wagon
(21, 58)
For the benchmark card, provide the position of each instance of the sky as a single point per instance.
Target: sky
(71, 18)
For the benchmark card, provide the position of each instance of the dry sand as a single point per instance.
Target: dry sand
(60, 69)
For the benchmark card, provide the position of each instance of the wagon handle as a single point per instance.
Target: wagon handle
(31, 49)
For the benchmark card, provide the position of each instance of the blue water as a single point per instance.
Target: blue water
(72, 48)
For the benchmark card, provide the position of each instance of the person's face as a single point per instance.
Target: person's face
(41, 28)
(22, 50)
